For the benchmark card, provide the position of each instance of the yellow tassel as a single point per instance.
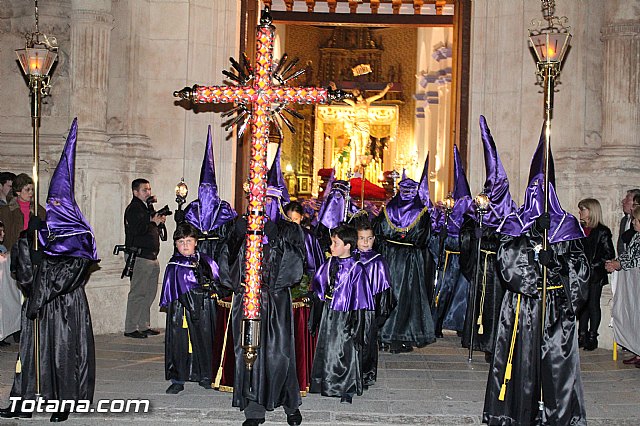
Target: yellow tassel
(184, 319)
(481, 329)
(479, 322)
(216, 382)
(503, 390)
(507, 373)
(18, 366)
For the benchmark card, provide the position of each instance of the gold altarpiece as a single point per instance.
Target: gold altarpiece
(333, 126)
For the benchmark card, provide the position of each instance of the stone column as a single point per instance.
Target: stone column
(621, 91)
(91, 24)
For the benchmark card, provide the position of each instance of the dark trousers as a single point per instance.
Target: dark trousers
(591, 313)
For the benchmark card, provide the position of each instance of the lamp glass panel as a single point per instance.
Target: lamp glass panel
(36, 61)
(550, 47)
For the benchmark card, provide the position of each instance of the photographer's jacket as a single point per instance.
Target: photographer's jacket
(140, 231)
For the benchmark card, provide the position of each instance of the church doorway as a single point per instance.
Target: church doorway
(408, 61)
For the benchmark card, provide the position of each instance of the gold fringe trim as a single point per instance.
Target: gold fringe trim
(553, 287)
(225, 388)
(223, 303)
(411, 225)
(18, 366)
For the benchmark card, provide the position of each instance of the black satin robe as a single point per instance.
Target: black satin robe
(196, 310)
(273, 379)
(546, 358)
(486, 287)
(57, 298)
(411, 269)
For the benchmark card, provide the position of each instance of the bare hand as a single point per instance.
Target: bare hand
(389, 86)
(157, 219)
(612, 265)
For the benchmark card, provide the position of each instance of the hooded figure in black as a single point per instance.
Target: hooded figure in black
(402, 233)
(272, 382)
(53, 280)
(486, 285)
(529, 357)
(452, 292)
(210, 215)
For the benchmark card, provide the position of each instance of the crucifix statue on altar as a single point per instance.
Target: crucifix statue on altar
(260, 94)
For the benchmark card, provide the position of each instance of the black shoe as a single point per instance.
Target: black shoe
(488, 356)
(175, 388)
(591, 341)
(346, 399)
(3, 343)
(401, 348)
(252, 422)
(383, 347)
(151, 332)
(581, 339)
(439, 334)
(421, 345)
(136, 335)
(205, 383)
(6, 413)
(294, 419)
(59, 417)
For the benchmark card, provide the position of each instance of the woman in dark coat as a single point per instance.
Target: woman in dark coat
(598, 246)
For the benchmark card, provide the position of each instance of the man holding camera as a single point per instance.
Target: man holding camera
(142, 227)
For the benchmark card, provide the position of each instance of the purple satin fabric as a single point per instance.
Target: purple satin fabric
(405, 207)
(67, 232)
(314, 255)
(564, 226)
(209, 211)
(496, 185)
(332, 212)
(179, 276)
(377, 270)
(351, 289)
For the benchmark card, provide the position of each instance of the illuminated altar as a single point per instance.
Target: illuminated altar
(332, 147)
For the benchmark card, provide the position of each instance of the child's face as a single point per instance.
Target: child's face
(365, 240)
(295, 216)
(186, 246)
(339, 249)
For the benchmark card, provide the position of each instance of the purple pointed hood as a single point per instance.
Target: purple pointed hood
(405, 207)
(564, 226)
(462, 196)
(208, 211)
(276, 189)
(496, 185)
(423, 185)
(68, 233)
(334, 209)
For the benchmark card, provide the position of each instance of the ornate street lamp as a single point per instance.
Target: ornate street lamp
(550, 41)
(36, 60)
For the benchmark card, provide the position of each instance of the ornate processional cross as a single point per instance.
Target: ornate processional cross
(259, 101)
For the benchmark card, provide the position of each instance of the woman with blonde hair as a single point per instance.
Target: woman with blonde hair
(598, 246)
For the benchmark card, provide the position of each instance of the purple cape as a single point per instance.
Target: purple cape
(208, 211)
(179, 276)
(351, 289)
(67, 232)
(564, 226)
(376, 269)
(314, 255)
